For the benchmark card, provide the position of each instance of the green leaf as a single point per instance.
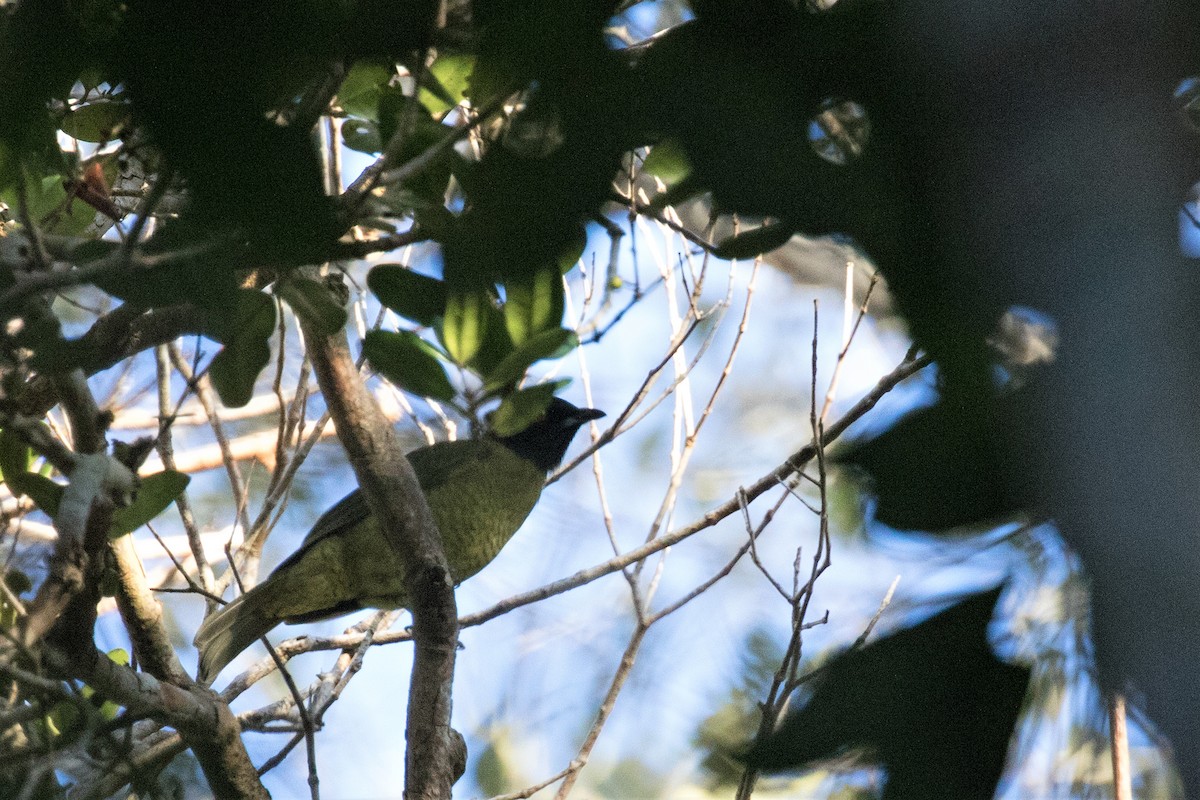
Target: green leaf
(156, 493)
(427, 186)
(450, 76)
(312, 301)
(246, 334)
(552, 343)
(96, 122)
(465, 323)
(362, 136)
(756, 242)
(41, 490)
(410, 294)
(206, 277)
(497, 345)
(574, 251)
(533, 304)
(668, 162)
(235, 369)
(409, 362)
(48, 205)
(15, 455)
(360, 91)
(521, 409)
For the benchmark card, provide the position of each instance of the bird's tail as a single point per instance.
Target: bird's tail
(229, 631)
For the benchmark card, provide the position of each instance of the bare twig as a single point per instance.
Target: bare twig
(530, 791)
(166, 451)
(628, 658)
(1122, 775)
(848, 333)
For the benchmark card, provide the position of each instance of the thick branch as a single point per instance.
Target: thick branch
(143, 615)
(395, 498)
(120, 334)
(64, 611)
(82, 522)
(206, 723)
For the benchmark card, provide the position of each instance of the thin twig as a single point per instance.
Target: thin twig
(1122, 774)
(628, 658)
(166, 452)
(883, 604)
(237, 484)
(530, 791)
(848, 334)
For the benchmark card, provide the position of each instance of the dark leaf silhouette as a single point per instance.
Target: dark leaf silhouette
(932, 703)
(944, 466)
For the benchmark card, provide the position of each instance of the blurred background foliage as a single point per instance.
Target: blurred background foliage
(536, 197)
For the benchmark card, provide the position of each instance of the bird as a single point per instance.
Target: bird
(480, 491)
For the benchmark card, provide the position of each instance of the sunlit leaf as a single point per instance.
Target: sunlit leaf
(96, 122)
(521, 409)
(668, 162)
(465, 324)
(360, 91)
(408, 362)
(15, 455)
(547, 344)
(451, 74)
(157, 491)
(533, 304)
(497, 345)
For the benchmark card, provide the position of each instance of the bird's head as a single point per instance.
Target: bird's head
(545, 441)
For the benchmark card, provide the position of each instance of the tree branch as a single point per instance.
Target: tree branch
(122, 333)
(205, 723)
(395, 498)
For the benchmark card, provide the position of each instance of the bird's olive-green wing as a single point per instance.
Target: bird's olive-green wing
(435, 465)
(350, 510)
(479, 491)
(345, 514)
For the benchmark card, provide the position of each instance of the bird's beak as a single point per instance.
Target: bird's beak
(588, 414)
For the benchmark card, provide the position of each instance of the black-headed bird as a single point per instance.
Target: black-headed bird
(480, 492)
